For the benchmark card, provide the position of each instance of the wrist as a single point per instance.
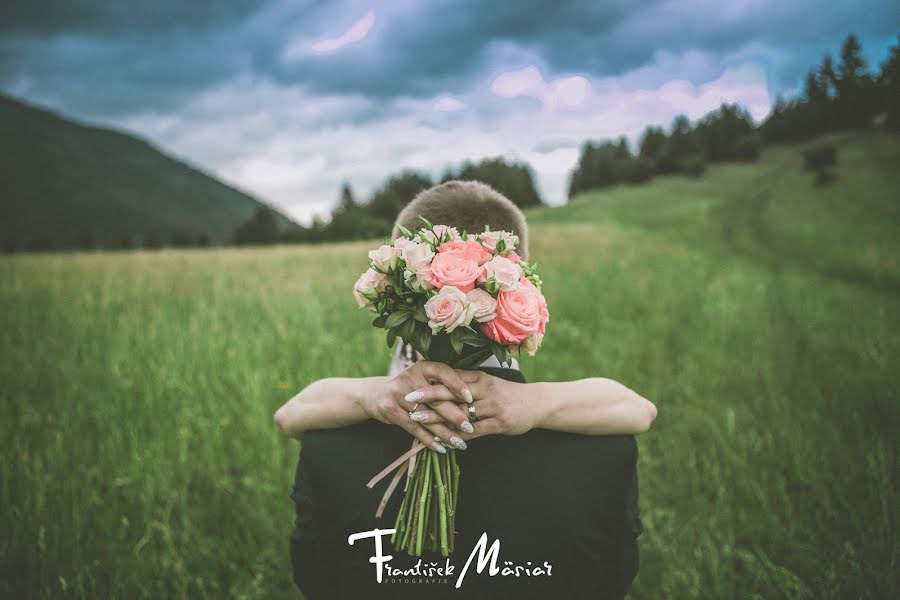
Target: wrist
(370, 391)
(540, 404)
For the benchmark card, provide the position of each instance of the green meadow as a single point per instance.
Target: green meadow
(759, 312)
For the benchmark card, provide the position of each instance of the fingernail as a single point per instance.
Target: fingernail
(468, 396)
(458, 443)
(419, 416)
(438, 447)
(465, 426)
(415, 396)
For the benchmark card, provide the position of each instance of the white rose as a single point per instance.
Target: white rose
(485, 305)
(368, 286)
(505, 273)
(441, 232)
(489, 240)
(449, 309)
(417, 255)
(531, 344)
(384, 258)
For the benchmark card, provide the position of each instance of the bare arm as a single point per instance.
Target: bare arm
(595, 406)
(327, 404)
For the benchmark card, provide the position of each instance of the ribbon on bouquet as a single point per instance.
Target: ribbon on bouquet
(408, 457)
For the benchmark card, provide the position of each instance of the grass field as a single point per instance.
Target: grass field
(761, 315)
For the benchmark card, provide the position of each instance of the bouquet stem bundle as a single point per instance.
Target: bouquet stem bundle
(428, 512)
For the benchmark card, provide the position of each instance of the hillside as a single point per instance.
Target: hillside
(64, 182)
(771, 211)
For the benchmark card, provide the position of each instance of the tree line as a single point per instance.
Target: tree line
(845, 95)
(842, 94)
(354, 219)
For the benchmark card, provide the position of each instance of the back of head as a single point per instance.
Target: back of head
(468, 206)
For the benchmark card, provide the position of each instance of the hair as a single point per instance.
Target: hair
(468, 206)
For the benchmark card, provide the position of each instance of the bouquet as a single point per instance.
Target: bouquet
(457, 299)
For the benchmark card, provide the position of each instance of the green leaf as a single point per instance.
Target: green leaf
(498, 352)
(379, 321)
(396, 318)
(406, 232)
(472, 361)
(456, 340)
(407, 330)
(420, 315)
(472, 338)
(391, 338)
(426, 222)
(423, 339)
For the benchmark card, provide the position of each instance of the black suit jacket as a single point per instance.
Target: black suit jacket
(567, 499)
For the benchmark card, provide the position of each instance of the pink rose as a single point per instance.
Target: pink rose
(423, 278)
(501, 274)
(369, 285)
(521, 313)
(469, 249)
(401, 242)
(484, 303)
(542, 302)
(416, 255)
(455, 270)
(489, 240)
(448, 309)
(441, 232)
(384, 258)
(514, 257)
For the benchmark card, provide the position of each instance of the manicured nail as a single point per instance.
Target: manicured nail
(465, 426)
(458, 443)
(438, 447)
(468, 396)
(419, 416)
(415, 396)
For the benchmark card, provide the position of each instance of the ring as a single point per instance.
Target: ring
(472, 416)
(414, 409)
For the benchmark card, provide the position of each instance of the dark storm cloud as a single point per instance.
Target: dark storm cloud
(113, 57)
(438, 46)
(104, 17)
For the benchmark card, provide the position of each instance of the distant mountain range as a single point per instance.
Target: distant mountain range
(65, 185)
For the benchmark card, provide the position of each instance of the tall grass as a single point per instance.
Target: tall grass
(140, 459)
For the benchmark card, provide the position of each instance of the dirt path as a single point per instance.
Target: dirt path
(744, 229)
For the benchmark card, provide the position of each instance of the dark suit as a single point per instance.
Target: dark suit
(567, 499)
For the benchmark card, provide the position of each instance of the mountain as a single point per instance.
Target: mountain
(66, 184)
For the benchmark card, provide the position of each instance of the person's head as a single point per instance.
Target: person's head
(466, 205)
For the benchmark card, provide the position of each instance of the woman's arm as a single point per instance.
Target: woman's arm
(327, 404)
(336, 402)
(594, 406)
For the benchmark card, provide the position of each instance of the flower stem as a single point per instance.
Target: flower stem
(442, 506)
(426, 490)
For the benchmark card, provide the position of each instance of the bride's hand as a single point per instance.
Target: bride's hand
(500, 410)
(398, 396)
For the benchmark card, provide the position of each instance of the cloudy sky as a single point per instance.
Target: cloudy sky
(286, 99)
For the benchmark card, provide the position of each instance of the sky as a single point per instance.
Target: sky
(288, 99)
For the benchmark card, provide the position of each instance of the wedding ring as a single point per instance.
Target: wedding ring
(472, 416)
(414, 408)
